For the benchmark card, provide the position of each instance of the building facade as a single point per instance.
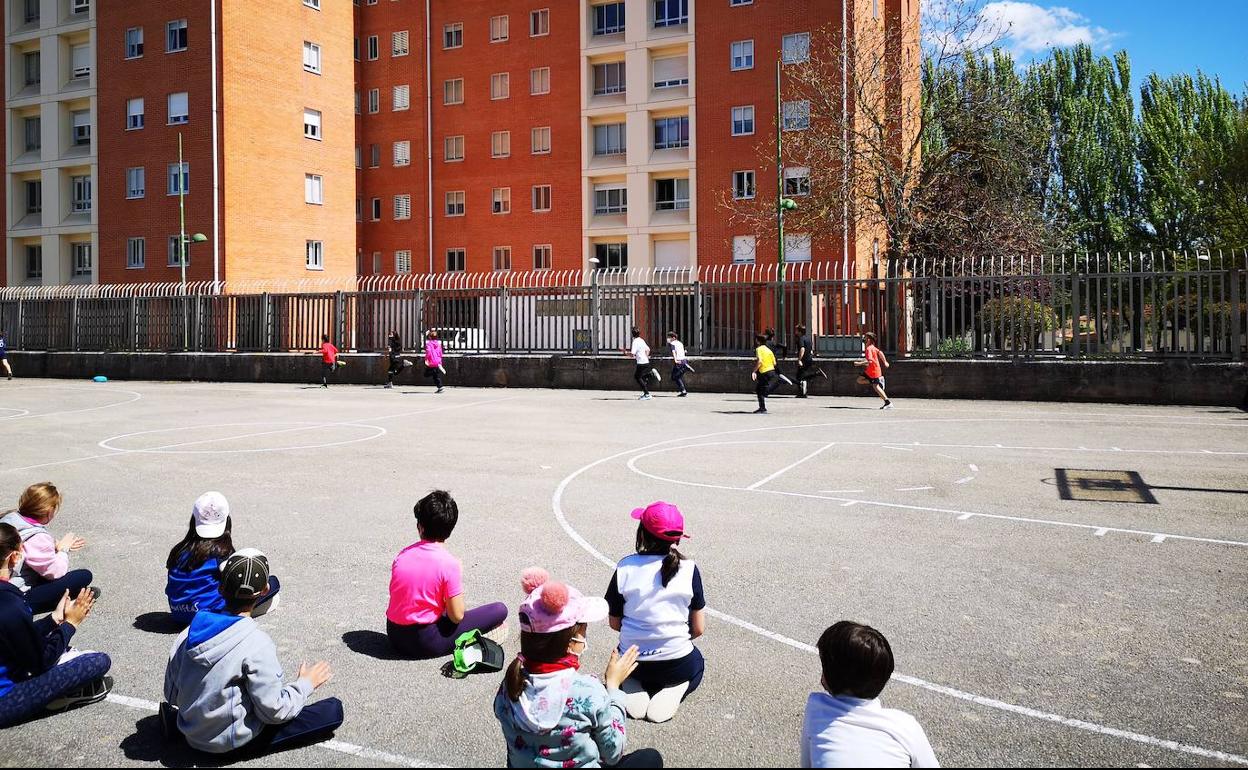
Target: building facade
(399, 136)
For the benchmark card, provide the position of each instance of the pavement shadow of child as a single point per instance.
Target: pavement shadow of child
(158, 623)
(373, 644)
(148, 744)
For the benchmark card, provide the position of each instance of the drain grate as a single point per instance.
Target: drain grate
(1103, 486)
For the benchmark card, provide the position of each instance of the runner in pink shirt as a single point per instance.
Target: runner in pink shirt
(433, 358)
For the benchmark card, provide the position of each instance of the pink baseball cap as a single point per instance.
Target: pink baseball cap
(211, 512)
(554, 606)
(663, 520)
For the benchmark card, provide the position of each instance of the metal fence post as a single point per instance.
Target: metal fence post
(595, 311)
(266, 322)
(340, 318)
(134, 323)
(73, 324)
(1237, 351)
(504, 297)
(699, 326)
(21, 325)
(1074, 314)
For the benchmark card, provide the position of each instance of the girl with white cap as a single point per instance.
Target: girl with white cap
(551, 714)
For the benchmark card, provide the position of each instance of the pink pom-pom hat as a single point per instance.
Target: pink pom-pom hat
(553, 606)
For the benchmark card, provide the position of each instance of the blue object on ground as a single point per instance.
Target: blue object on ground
(101, 378)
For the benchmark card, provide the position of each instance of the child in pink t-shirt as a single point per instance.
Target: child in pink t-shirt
(427, 612)
(44, 575)
(433, 358)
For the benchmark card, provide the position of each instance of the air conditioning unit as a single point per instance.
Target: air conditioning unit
(79, 6)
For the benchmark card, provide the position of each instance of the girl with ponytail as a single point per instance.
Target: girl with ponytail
(551, 714)
(657, 605)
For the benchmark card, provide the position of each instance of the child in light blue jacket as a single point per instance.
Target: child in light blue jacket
(551, 714)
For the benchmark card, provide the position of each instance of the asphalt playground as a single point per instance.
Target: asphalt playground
(1061, 584)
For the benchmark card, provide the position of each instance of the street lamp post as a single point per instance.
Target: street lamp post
(184, 246)
(783, 204)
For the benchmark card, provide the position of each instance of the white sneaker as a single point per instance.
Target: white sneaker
(644, 397)
(92, 692)
(657, 377)
(665, 702)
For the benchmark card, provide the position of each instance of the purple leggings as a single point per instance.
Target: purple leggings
(435, 640)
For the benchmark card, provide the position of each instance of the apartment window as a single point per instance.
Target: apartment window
(136, 253)
(31, 14)
(402, 153)
(796, 247)
(453, 35)
(500, 28)
(359, 157)
(314, 255)
(796, 115)
(500, 200)
(134, 114)
(33, 130)
(357, 102)
(134, 42)
(175, 36)
(669, 13)
(502, 257)
(402, 207)
(313, 189)
(795, 48)
(136, 182)
(454, 260)
(81, 124)
(671, 133)
(539, 22)
(34, 263)
(311, 57)
(314, 4)
(875, 9)
(375, 210)
(608, 18)
(610, 139)
(81, 253)
(743, 120)
(743, 55)
(610, 198)
(34, 196)
(539, 81)
(453, 91)
(453, 148)
(742, 184)
(611, 256)
(671, 71)
(401, 99)
(80, 61)
(735, 3)
(374, 101)
(312, 124)
(671, 194)
(541, 197)
(30, 69)
(541, 257)
(376, 262)
(455, 203)
(179, 183)
(539, 140)
(500, 144)
(359, 209)
(374, 155)
(797, 181)
(79, 6)
(374, 48)
(355, 48)
(744, 247)
(609, 78)
(403, 262)
(179, 109)
(500, 85)
(80, 194)
(398, 43)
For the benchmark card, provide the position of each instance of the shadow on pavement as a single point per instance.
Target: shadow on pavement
(158, 623)
(374, 644)
(148, 744)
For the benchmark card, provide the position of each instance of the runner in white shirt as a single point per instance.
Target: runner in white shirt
(640, 352)
(680, 363)
(847, 726)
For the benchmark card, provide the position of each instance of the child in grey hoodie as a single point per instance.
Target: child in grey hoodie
(224, 685)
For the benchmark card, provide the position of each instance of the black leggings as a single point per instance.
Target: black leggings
(435, 373)
(678, 376)
(642, 375)
(315, 722)
(765, 386)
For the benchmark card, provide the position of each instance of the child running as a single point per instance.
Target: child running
(680, 363)
(551, 714)
(4, 354)
(779, 351)
(764, 374)
(433, 358)
(44, 575)
(223, 684)
(845, 724)
(873, 359)
(38, 669)
(427, 612)
(657, 605)
(329, 359)
(395, 345)
(640, 351)
(806, 368)
(194, 579)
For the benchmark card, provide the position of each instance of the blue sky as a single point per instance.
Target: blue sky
(1161, 35)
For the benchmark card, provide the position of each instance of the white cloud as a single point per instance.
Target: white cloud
(1028, 28)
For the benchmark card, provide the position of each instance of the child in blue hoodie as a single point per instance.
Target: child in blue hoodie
(223, 684)
(551, 714)
(194, 564)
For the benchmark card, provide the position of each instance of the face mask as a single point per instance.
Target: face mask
(584, 646)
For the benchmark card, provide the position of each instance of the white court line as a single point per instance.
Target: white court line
(842, 491)
(899, 489)
(964, 480)
(341, 747)
(974, 468)
(788, 468)
(20, 412)
(29, 416)
(562, 519)
(899, 448)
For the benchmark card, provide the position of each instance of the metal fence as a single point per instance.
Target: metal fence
(1116, 306)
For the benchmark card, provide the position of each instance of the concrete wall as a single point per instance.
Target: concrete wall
(1219, 384)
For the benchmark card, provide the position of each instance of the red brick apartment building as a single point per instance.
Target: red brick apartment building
(485, 134)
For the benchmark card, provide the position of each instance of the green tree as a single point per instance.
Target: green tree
(1221, 177)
